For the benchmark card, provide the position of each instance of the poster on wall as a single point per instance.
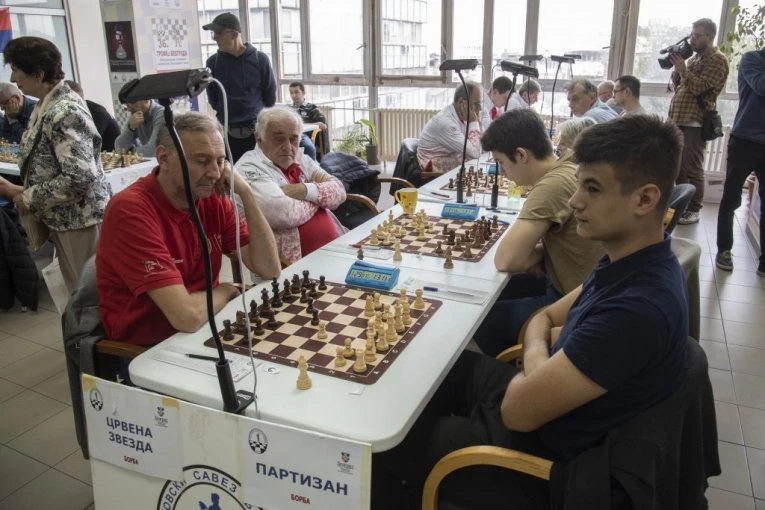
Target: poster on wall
(171, 43)
(119, 40)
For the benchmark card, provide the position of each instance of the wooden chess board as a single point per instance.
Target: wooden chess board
(341, 308)
(112, 160)
(410, 244)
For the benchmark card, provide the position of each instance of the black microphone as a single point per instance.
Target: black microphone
(517, 68)
(458, 64)
(562, 59)
(530, 58)
(189, 82)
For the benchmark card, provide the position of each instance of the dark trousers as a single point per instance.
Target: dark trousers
(744, 157)
(524, 294)
(465, 411)
(692, 165)
(240, 145)
(308, 147)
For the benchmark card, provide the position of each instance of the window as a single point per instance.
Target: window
(572, 27)
(408, 37)
(207, 11)
(52, 4)
(51, 27)
(663, 23)
(336, 51)
(291, 43)
(260, 26)
(468, 36)
(415, 98)
(509, 30)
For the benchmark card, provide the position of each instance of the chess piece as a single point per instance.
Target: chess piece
(339, 357)
(382, 341)
(450, 239)
(276, 300)
(419, 303)
(360, 365)
(360, 253)
(322, 334)
(378, 305)
(369, 307)
(303, 381)
(306, 279)
(439, 249)
(315, 317)
(227, 333)
(390, 332)
(240, 322)
(390, 216)
(469, 191)
(258, 330)
(313, 292)
(421, 233)
(467, 252)
(371, 333)
(400, 232)
(398, 321)
(397, 254)
(494, 222)
(310, 308)
(272, 320)
(451, 183)
(295, 287)
(287, 296)
(448, 262)
(253, 309)
(322, 283)
(445, 231)
(406, 317)
(348, 351)
(304, 295)
(370, 353)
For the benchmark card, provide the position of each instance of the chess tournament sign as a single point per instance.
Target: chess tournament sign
(133, 429)
(119, 41)
(171, 43)
(286, 468)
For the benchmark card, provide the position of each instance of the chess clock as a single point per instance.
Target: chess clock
(375, 276)
(457, 211)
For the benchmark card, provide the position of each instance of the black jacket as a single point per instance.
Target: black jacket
(106, 126)
(659, 460)
(18, 273)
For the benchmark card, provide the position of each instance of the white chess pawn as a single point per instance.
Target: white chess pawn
(419, 303)
(322, 335)
(339, 357)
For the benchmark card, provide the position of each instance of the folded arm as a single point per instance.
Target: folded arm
(519, 250)
(325, 189)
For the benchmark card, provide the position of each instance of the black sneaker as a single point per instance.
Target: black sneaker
(724, 260)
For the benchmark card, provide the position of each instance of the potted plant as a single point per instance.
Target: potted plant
(353, 141)
(372, 142)
(749, 32)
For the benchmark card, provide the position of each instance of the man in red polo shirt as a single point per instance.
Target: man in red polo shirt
(149, 264)
(296, 195)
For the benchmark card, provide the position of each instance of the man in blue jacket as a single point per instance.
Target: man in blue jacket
(746, 153)
(246, 75)
(18, 109)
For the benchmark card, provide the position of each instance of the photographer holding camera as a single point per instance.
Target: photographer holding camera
(697, 83)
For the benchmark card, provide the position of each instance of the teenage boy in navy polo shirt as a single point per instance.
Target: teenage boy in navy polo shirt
(605, 352)
(149, 265)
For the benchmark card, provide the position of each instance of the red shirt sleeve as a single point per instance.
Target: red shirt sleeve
(136, 246)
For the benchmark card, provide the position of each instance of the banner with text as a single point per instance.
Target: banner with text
(132, 428)
(171, 43)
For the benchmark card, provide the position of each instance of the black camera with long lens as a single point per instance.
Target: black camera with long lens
(681, 47)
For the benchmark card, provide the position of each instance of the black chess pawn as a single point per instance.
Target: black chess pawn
(313, 293)
(445, 231)
(304, 295)
(253, 309)
(257, 329)
(228, 334)
(306, 280)
(310, 308)
(272, 320)
(287, 296)
(315, 318)
(451, 183)
(439, 249)
(295, 287)
(450, 240)
(265, 307)
(322, 283)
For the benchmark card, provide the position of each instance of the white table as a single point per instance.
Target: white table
(119, 178)
(432, 192)
(483, 269)
(381, 413)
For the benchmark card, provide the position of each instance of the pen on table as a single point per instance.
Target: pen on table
(439, 194)
(201, 356)
(448, 291)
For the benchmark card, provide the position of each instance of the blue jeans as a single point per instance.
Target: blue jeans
(308, 147)
(524, 294)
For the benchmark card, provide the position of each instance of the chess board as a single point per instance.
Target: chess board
(410, 244)
(112, 160)
(341, 308)
(481, 185)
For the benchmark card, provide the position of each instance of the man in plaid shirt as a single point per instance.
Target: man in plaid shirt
(704, 75)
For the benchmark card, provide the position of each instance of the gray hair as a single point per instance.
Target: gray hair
(275, 113)
(587, 86)
(9, 89)
(572, 128)
(459, 92)
(709, 26)
(530, 86)
(606, 84)
(190, 122)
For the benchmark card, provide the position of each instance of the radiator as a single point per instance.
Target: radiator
(393, 125)
(715, 159)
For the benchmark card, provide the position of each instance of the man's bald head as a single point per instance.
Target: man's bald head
(9, 90)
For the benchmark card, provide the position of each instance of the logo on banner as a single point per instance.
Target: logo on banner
(204, 488)
(258, 441)
(160, 419)
(344, 465)
(96, 399)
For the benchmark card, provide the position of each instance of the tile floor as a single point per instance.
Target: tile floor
(41, 465)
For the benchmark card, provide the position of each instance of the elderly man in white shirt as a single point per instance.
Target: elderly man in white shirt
(443, 136)
(527, 95)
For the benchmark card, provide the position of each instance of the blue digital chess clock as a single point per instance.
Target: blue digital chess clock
(457, 211)
(365, 274)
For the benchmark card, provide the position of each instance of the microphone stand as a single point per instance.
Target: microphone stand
(552, 99)
(461, 175)
(233, 401)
